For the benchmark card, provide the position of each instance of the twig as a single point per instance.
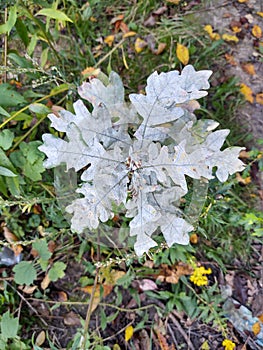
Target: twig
(109, 53)
(180, 329)
(5, 48)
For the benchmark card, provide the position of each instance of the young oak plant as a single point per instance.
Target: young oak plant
(139, 157)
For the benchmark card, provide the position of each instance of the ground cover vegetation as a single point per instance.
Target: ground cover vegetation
(63, 289)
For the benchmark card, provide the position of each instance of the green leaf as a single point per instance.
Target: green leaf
(41, 246)
(60, 88)
(22, 31)
(9, 97)
(32, 44)
(6, 172)
(126, 280)
(25, 273)
(5, 162)
(57, 271)
(4, 112)
(6, 28)
(6, 139)
(39, 108)
(55, 14)
(9, 326)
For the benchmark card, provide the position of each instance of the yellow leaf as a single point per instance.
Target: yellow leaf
(109, 40)
(249, 68)
(259, 98)
(247, 92)
(241, 1)
(129, 34)
(229, 38)
(128, 333)
(139, 45)
(257, 31)
(260, 14)
(236, 29)
(208, 28)
(205, 346)
(256, 328)
(175, 2)
(182, 53)
(243, 181)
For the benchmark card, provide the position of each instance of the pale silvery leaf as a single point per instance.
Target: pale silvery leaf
(227, 162)
(88, 211)
(175, 230)
(141, 168)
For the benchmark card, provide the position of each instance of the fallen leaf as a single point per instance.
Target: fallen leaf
(129, 34)
(214, 36)
(160, 11)
(244, 155)
(160, 49)
(172, 274)
(256, 328)
(257, 31)
(194, 238)
(249, 18)
(248, 68)
(62, 296)
(29, 289)
(139, 45)
(236, 29)
(182, 53)
(147, 284)
(247, 92)
(230, 59)
(230, 38)
(45, 282)
(243, 181)
(259, 98)
(72, 319)
(260, 14)
(11, 238)
(129, 333)
(175, 2)
(150, 22)
(162, 340)
(40, 338)
(241, 1)
(109, 40)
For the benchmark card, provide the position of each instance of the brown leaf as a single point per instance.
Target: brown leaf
(162, 340)
(72, 319)
(62, 296)
(243, 181)
(230, 59)
(182, 53)
(11, 238)
(173, 274)
(29, 289)
(45, 282)
(257, 31)
(175, 2)
(150, 22)
(247, 92)
(248, 68)
(40, 338)
(194, 238)
(160, 49)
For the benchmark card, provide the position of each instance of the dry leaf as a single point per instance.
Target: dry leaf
(260, 14)
(11, 238)
(162, 341)
(175, 2)
(236, 29)
(147, 284)
(91, 72)
(109, 40)
(40, 338)
(62, 296)
(241, 1)
(128, 333)
(230, 59)
(194, 238)
(29, 289)
(214, 36)
(248, 68)
(244, 155)
(230, 38)
(160, 49)
(45, 282)
(72, 319)
(257, 31)
(247, 92)
(259, 98)
(129, 34)
(173, 274)
(139, 45)
(256, 328)
(182, 53)
(243, 181)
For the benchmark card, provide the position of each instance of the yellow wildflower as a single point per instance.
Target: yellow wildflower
(198, 277)
(228, 344)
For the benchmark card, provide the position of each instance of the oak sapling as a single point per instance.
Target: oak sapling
(140, 156)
